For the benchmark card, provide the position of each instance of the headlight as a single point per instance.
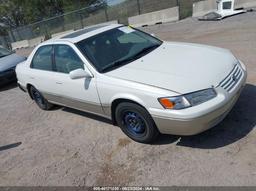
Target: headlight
(188, 100)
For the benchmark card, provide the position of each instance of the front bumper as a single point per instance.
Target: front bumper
(200, 118)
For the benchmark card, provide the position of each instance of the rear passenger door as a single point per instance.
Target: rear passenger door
(41, 74)
(79, 93)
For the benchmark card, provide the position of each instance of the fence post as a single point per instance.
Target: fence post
(18, 34)
(81, 20)
(79, 13)
(106, 13)
(179, 8)
(139, 9)
(13, 39)
(46, 31)
(62, 21)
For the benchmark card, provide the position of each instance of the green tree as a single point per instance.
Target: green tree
(21, 12)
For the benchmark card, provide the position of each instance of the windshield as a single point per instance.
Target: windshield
(116, 47)
(4, 52)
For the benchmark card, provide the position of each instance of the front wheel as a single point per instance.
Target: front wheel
(136, 122)
(39, 99)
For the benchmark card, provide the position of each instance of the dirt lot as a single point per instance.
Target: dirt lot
(68, 147)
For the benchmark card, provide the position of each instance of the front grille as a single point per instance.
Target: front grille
(232, 79)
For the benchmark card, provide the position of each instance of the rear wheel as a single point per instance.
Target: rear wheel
(39, 99)
(136, 122)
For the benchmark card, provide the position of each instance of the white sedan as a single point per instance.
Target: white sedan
(144, 85)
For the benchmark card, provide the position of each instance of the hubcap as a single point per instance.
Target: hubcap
(134, 123)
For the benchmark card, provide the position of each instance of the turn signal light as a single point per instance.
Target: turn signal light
(167, 103)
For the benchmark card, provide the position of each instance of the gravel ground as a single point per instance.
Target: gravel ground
(65, 147)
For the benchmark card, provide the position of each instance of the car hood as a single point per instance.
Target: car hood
(10, 61)
(179, 67)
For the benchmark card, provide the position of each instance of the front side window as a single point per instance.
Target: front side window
(43, 58)
(116, 47)
(66, 59)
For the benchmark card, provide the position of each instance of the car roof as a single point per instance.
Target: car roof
(82, 31)
(82, 34)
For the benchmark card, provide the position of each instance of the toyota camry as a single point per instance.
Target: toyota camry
(144, 85)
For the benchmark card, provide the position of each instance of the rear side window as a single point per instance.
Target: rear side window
(43, 58)
(66, 59)
(227, 5)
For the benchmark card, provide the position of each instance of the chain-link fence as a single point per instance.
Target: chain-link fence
(97, 14)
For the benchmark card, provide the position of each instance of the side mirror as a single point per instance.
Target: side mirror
(79, 73)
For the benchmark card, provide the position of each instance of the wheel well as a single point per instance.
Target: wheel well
(28, 88)
(114, 105)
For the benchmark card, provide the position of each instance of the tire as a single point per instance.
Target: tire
(39, 99)
(136, 122)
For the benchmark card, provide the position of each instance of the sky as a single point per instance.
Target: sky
(114, 2)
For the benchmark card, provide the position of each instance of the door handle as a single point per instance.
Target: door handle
(32, 78)
(59, 83)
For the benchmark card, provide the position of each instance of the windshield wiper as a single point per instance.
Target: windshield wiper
(134, 57)
(146, 50)
(117, 64)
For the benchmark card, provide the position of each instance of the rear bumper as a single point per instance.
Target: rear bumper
(204, 117)
(22, 87)
(7, 77)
